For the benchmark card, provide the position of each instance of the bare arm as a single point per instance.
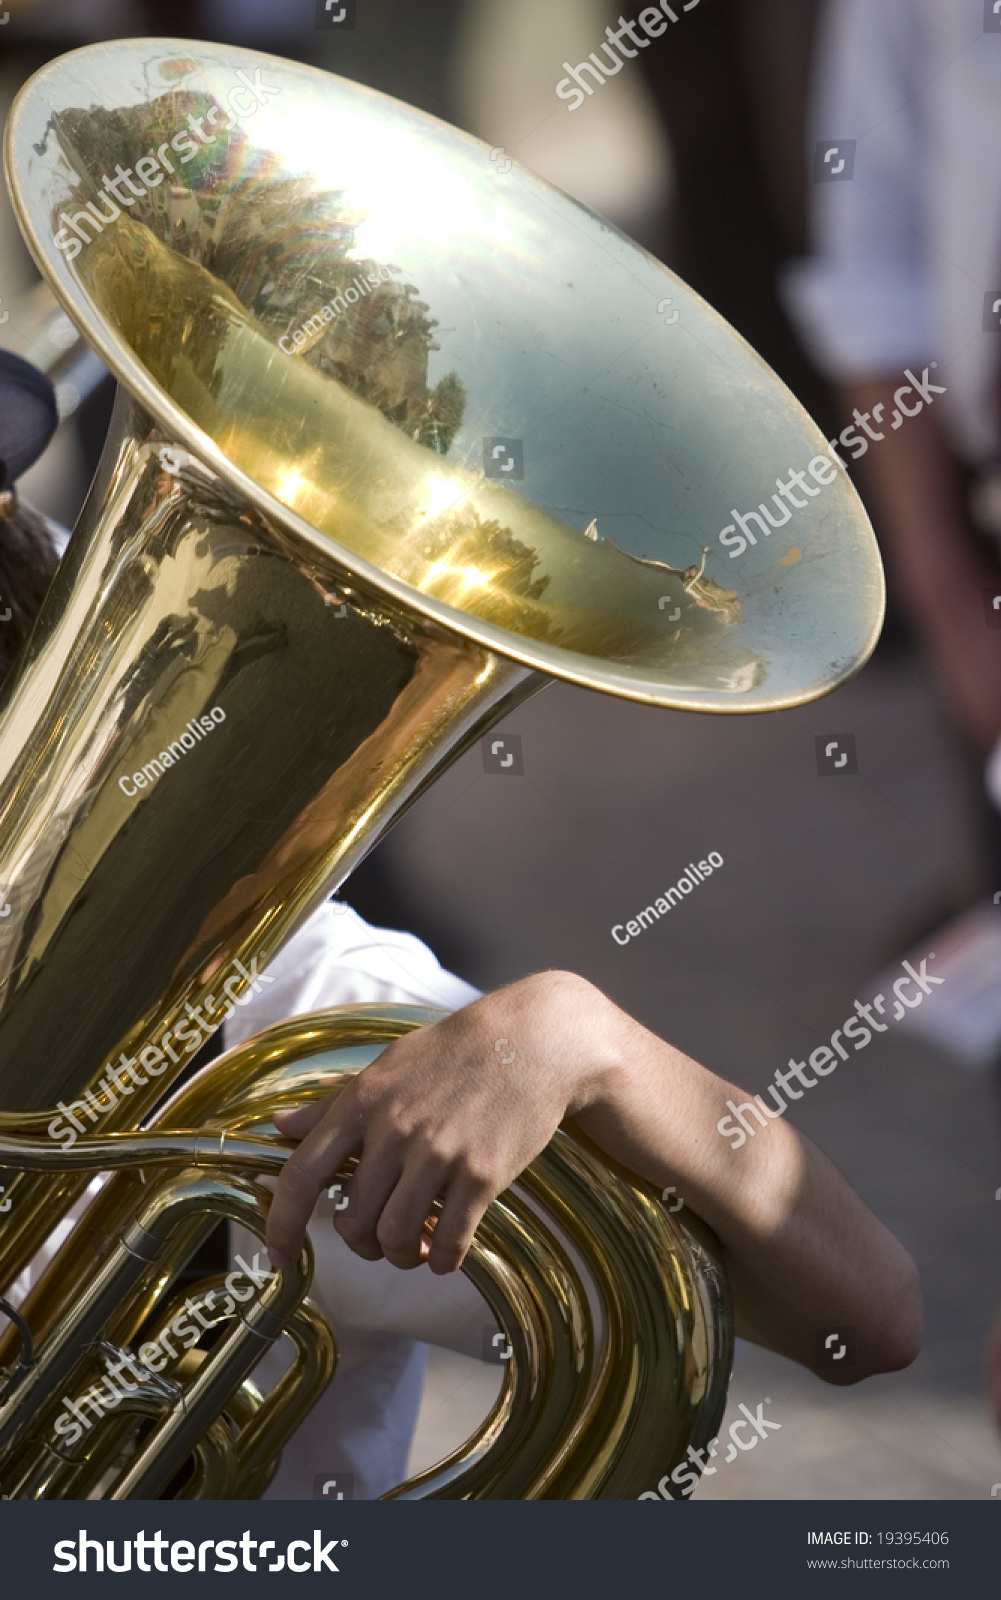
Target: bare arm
(443, 1112)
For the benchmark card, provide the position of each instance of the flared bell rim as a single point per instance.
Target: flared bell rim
(556, 661)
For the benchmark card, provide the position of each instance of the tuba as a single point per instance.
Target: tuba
(401, 434)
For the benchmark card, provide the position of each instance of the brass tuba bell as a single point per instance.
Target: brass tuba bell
(398, 437)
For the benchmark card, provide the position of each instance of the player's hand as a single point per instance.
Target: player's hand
(456, 1110)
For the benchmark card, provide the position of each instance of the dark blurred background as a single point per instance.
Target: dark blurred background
(699, 150)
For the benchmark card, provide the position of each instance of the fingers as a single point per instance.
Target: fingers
(389, 1204)
(466, 1201)
(322, 1152)
(424, 1121)
(295, 1124)
(399, 1228)
(372, 1183)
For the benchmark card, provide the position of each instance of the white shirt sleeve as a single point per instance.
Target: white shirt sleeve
(337, 959)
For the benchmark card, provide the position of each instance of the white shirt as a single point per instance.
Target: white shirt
(337, 959)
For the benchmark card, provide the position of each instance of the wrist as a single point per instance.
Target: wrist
(596, 1034)
(571, 1030)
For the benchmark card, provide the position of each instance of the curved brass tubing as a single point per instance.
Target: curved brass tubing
(66, 1355)
(567, 1424)
(57, 1477)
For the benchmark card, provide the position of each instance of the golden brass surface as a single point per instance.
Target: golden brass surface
(565, 1426)
(302, 583)
(501, 309)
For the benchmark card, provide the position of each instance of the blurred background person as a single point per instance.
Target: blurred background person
(905, 277)
(905, 274)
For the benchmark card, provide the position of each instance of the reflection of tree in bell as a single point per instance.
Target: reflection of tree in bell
(443, 414)
(284, 250)
(287, 258)
(462, 559)
(183, 210)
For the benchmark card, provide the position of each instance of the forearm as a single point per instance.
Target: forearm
(460, 1109)
(802, 1251)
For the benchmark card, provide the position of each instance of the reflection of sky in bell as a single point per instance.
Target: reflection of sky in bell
(655, 430)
